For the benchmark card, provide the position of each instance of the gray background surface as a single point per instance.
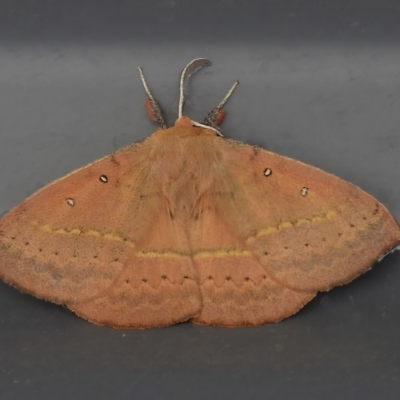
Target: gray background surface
(320, 82)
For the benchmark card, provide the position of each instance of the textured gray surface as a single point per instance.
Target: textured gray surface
(320, 82)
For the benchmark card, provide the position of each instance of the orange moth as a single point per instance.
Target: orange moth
(189, 225)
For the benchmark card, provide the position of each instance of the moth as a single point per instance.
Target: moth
(188, 225)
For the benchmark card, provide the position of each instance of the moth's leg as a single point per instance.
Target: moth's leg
(217, 114)
(152, 107)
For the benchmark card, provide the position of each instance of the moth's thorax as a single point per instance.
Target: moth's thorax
(184, 163)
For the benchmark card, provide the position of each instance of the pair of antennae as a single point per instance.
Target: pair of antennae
(191, 68)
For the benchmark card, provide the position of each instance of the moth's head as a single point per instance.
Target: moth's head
(185, 127)
(212, 119)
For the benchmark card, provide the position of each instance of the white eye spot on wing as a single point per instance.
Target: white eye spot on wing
(267, 172)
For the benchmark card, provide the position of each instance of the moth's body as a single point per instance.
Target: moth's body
(193, 174)
(187, 225)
